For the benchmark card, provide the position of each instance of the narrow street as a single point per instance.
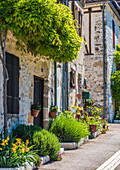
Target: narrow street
(92, 154)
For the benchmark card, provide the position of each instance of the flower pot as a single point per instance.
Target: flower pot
(79, 96)
(93, 128)
(35, 112)
(52, 114)
(78, 116)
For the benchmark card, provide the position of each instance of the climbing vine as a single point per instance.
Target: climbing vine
(115, 78)
(47, 28)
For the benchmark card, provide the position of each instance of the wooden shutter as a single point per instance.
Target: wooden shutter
(13, 84)
(80, 22)
(113, 32)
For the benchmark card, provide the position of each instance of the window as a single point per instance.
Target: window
(12, 63)
(72, 79)
(113, 33)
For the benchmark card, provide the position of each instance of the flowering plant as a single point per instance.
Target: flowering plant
(15, 153)
(54, 109)
(36, 106)
(59, 157)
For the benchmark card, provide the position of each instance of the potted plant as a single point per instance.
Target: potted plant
(35, 109)
(53, 111)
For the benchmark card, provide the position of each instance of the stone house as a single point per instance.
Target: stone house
(101, 27)
(39, 79)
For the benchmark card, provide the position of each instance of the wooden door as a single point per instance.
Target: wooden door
(38, 98)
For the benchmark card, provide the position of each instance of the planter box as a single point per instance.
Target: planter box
(116, 121)
(20, 168)
(45, 159)
(86, 95)
(69, 145)
(94, 134)
(82, 141)
(61, 150)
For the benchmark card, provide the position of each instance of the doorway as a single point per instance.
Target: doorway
(38, 98)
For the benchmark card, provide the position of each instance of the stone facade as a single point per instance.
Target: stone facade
(29, 67)
(42, 67)
(94, 62)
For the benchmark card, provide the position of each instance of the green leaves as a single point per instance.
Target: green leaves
(42, 27)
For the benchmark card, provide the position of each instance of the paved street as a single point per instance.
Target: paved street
(92, 154)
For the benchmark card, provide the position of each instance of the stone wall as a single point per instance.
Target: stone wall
(94, 63)
(110, 55)
(29, 67)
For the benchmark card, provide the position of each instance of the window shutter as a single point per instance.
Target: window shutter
(12, 63)
(113, 32)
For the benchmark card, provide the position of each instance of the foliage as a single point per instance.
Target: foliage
(68, 114)
(117, 115)
(46, 143)
(90, 102)
(46, 28)
(94, 111)
(85, 117)
(117, 55)
(67, 129)
(54, 109)
(26, 132)
(115, 86)
(15, 154)
(7, 10)
(115, 78)
(36, 106)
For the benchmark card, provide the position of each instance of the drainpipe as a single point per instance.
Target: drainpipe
(55, 76)
(63, 87)
(104, 71)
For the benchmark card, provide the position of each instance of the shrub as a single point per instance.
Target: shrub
(68, 129)
(26, 132)
(46, 143)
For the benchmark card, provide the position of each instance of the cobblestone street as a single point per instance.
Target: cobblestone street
(92, 154)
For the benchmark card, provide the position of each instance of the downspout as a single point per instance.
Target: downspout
(55, 76)
(104, 71)
(63, 87)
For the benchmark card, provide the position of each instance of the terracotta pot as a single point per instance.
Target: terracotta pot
(52, 114)
(35, 112)
(79, 96)
(93, 128)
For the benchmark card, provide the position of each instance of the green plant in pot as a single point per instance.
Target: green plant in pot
(53, 111)
(35, 109)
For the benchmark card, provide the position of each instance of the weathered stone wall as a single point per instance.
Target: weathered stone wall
(110, 55)
(29, 67)
(94, 63)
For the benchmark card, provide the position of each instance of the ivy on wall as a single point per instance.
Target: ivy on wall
(42, 27)
(115, 78)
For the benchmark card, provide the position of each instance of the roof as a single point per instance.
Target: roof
(116, 3)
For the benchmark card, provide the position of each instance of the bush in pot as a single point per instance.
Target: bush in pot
(67, 129)
(46, 143)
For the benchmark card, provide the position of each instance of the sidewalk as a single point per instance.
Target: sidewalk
(91, 155)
